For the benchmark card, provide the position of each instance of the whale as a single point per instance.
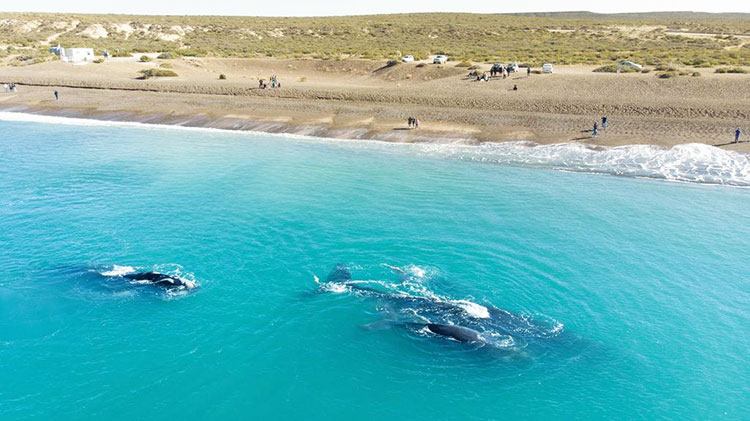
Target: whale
(457, 333)
(160, 279)
(458, 320)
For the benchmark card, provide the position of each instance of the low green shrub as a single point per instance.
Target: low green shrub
(222, 77)
(695, 74)
(730, 70)
(464, 64)
(665, 68)
(144, 59)
(99, 61)
(167, 55)
(610, 68)
(149, 73)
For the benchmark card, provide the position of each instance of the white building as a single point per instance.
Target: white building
(73, 55)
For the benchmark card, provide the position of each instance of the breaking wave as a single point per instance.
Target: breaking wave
(693, 162)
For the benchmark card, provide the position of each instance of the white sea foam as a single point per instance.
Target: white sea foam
(141, 282)
(334, 287)
(694, 162)
(416, 271)
(473, 309)
(118, 271)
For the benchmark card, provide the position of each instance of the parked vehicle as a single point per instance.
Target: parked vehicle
(440, 59)
(513, 67)
(407, 59)
(631, 65)
(547, 68)
(497, 68)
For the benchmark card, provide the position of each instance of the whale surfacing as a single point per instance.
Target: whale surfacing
(160, 279)
(458, 320)
(458, 333)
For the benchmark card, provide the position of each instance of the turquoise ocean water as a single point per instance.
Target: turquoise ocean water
(638, 289)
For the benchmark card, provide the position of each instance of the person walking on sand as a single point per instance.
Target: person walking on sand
(57, 95)
(737, 134)
(596, 130)
(5, 86)
(528, 71)
(604, 122)
(416, 123)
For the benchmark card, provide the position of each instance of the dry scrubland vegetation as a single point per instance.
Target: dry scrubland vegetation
(561, 38)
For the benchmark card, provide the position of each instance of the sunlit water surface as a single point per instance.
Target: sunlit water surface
(646, 283)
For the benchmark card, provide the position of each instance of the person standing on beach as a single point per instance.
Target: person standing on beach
(604, 122)
(596, 130)
(5, 86)
(57, 95)
(416, 123)
(528, 71)
(737, 134)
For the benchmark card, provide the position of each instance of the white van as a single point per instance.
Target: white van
(547, 68)
(440, 59)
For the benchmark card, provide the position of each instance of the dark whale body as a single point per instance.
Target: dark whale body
(459, 333)
(158, 279)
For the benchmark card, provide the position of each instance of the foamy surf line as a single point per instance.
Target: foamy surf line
(690, 163)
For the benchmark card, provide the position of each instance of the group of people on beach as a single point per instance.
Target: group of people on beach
(595, 132)
(479, 78)
(273, 80)
(10, 87)
(495, 71)
(412, 122)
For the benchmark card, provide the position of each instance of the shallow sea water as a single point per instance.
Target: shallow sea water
(644, 283)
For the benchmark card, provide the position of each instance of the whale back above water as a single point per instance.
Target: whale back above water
(158, 279)
(339, 274)
(459, 333)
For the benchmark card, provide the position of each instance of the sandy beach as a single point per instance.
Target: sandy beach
(370, 100)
